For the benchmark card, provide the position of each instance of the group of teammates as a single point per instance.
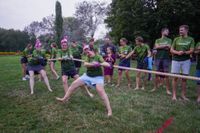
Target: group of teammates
(181, 49)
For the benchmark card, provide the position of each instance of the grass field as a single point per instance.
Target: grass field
(133, 111)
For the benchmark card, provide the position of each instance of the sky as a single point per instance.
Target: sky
(16, 14)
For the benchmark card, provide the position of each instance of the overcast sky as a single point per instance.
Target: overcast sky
(17, 14)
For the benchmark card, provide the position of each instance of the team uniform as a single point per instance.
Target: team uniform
(24, 58)
(67, 66)
(182, 63)
(125, 50)
(93, 75)
(76, 53)
(37, 61)
(162, 57)
(141, 56)
(53, 55)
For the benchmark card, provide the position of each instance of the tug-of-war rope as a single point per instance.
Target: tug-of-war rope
(141, 70)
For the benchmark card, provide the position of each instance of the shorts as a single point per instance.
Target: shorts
(142, 64)
(162, 65)
(70, 73)
(92, 81)
(124, 63)
(77, 63)
(198, 75)
(35, 68)
(181, 67)
(23, 60)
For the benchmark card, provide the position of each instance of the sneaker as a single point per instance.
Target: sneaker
(24, 79)
(27, 77)
(58, 78)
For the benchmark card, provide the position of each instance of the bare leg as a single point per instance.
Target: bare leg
(65, 82)
(24, 69)
(144, 81)
(44, 75)
(31, 81)
(128, 78)
(174, 86)
(183, 93)
(104, 97)
(109, 78)
(77, 83)
(156, 82)
(198, 92)
(85, 87)
(167, 85)
(119, 78)
(137, 80)
(52, 67)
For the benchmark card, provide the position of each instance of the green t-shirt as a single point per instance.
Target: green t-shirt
(125, 50)
(94, 48)
(163, 53)
(76, 51)
(37, 54)
(198, 57)
(94, 71)
(182, 44)
(26, 52)
(54, 52)
(66, 65)
(141, 51)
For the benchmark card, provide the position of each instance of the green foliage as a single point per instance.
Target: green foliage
(133, 111)
(13, 40)
(58, 23)
(146, 18)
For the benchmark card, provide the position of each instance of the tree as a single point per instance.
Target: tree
(90, 14)
(72, 29)
(58, 22)
(146, 17)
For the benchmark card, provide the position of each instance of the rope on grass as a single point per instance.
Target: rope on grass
(142, 70)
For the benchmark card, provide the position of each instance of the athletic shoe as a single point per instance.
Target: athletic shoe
(24, 79)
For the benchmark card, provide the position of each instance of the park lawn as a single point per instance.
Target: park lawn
(133, 111)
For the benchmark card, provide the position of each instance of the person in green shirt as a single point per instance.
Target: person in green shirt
(182, 48)
(162, 59)
(36, 65)
(197, 52)
(124, 50)
(24, 60)
(141, 51)
(77, 51)
(53, 55)
(92, 77)
(67, 65)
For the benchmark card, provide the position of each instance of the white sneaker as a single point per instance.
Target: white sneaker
(27, 77)
(24, 79)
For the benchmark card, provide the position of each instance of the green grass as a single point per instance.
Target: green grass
(133, 111)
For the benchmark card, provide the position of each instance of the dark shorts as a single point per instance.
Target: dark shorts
(142, 64)
(77, 63)
(124, 63)
(35, 68)
(23, 60)
(108, 71)
(43, 62)
(70, 73)
(162, 65)
(198, 75)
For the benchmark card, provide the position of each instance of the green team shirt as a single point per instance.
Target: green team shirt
(125, 50)
(36, 55)
(141, 52)
(163, 53)
(94, 71)
(54, 52)
(66, 65)
(76, 51)
(26, 52)
(182, 44)
(94, 48)
(198, 57)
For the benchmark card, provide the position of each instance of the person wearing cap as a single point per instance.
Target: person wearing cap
(53, 55)
(36, 65)
(92, 77)
(77, 51)
(24, 60)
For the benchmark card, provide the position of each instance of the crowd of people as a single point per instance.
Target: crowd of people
(99, 64)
